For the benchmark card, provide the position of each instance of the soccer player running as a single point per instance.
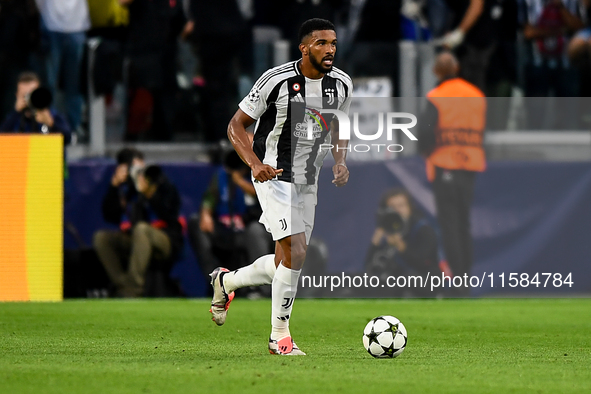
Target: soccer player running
(285, 164)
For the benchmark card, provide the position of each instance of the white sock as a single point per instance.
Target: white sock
(285, 286)
(261, 272)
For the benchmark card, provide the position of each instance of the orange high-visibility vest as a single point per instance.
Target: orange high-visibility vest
(459, 133)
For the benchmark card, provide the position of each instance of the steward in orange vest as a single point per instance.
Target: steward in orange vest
(452, 137)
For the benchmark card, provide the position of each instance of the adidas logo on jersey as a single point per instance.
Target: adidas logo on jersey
(297, 98)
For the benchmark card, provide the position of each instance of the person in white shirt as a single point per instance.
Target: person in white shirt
(65, 23)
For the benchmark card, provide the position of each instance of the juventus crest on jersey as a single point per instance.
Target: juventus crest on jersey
(281, 101)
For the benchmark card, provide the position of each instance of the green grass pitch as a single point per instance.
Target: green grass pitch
(168, 346)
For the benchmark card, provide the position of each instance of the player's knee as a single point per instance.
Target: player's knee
(141, 228)
(298, 256)
(100, 238)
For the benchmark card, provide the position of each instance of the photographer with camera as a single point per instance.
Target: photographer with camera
(150, 231)
(122, 191)
(403, 242)
(33, 112)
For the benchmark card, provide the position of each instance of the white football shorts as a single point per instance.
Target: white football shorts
(288, 208)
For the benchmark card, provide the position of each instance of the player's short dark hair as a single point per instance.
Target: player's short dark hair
(312, 25)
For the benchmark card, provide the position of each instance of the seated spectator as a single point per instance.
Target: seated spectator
(403, 242)
(228, 221)
(152, 231)
(26, 118)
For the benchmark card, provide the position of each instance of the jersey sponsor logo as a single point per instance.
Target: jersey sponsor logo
(296, 86)
(312, 126)
(283, 223)
(254, 95)
(301, 130)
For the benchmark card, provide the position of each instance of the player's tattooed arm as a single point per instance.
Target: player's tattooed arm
(339, 152)
(239, 138)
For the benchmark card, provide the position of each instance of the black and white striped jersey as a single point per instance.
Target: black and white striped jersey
(280, 102)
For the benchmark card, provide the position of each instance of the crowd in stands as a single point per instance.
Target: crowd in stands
(540, 46)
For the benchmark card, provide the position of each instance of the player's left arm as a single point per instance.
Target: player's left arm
(339, 147)
(339, 152)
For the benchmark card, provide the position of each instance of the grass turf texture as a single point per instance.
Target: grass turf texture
(471, 346)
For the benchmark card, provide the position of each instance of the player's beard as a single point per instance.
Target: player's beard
(318, 65)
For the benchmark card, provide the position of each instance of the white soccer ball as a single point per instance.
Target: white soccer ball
(384, 337)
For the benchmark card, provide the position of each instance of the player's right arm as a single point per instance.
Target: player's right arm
(239, 138)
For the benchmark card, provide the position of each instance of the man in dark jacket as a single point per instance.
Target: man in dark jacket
(149, 230)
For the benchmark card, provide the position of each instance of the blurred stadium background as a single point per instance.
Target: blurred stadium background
(165, 77)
